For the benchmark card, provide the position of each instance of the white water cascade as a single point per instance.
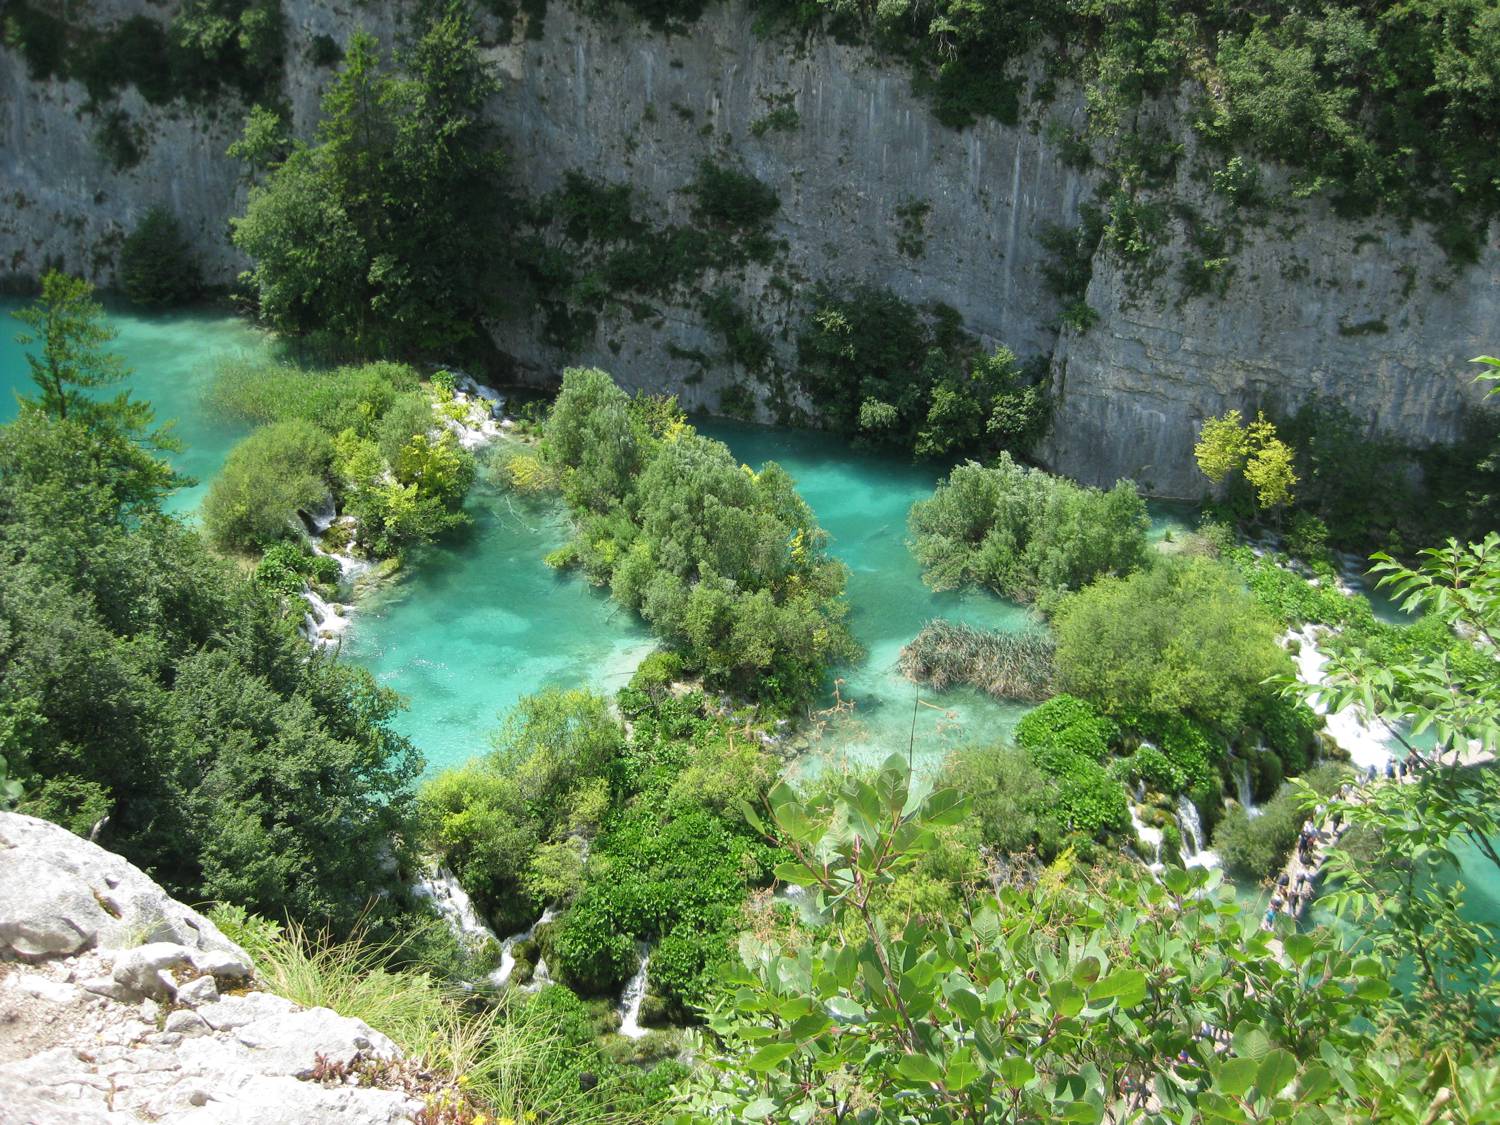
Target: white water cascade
(635, 992)
(453, 903)
(324, 622)
(1364, 742)
(508, 949)
(1149, 837)
(1194, 854)
(1243, 792)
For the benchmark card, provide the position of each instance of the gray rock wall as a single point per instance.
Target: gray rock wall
(620, 103)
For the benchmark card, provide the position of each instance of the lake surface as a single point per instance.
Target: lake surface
(480, 622)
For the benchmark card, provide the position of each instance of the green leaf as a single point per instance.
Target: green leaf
(1065, 997)
(1372, 988)
(842, 1008)
(1277, 1069)
(1128, 986)
(963, 1069)
(1315, 1079)
(919, 1068)
(1016, 1071)
(1236, 1076)
(771, 1056)
(1299, 947)
(759, 1109)
(943, 808)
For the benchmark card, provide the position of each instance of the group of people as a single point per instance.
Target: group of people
(1292, 898)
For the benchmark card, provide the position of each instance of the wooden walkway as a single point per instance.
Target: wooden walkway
(1295, 904)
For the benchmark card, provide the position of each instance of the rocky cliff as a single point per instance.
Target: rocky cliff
(873, 190)
(118, 1004)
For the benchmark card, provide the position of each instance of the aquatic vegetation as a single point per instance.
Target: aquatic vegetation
(1006, 665)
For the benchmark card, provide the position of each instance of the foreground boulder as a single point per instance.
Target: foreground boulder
(120, 1004)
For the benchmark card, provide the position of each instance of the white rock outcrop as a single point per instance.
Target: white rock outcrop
(120, 1004)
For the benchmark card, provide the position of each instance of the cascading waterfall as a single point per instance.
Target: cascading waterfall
(324, 622)
(1194, 854)
(1149, 837)
(453, 903)
(508, 949)
(1244, 793)
(635, 992)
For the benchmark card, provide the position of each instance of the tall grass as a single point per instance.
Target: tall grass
(509, 1056)
(1005, 665)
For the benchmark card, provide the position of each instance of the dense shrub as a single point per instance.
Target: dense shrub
(728, 566)
(356, 396)
(732, 198)
(1025, 533)
(267, 479)
(1183, 636)
(1070, 723)
(1015, 804)
(157, 264)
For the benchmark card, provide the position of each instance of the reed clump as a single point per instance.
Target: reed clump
(1004, 665)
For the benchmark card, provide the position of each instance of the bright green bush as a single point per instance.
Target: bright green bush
(1025, 533)
(354, 397)
(267, 478)
(1070, 723)
(286, 565)
(1183, 636)
(728, 566)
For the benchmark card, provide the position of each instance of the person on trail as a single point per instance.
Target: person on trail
(1390, 771)
(1269, 921)
(1282, 880)
(1371, 775)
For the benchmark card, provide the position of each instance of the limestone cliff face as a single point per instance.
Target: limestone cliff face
(1362, 312)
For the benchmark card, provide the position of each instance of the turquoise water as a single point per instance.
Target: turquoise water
(173, 357)
(479, 622)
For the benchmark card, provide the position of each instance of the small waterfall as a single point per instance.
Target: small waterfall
(1244, 793)
(1149, 837)
(1363, 742)
(630, 999)
(450, 900)
(1194, 854)
(324, 622)
(508, 949)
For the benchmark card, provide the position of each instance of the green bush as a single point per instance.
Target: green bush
(1025, 533)
(1183, 636)
(355, 397)
(1150, 765)
(157, 264)
(1015, 805)
(267, 479)
(731, 198)
(1256, 847)
(1069, 723)
(730, 568)
(286, 565)
(897, 376)
(1089, 800)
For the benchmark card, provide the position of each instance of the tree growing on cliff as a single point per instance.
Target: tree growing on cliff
(385, 234)
(157, 265)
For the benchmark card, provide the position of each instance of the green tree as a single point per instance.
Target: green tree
(1024, 533)
(1181, 636)
(385, 232)
(69, 327)
(157, 264)
(1226, 445)
(267, 479)
(1052, 1000)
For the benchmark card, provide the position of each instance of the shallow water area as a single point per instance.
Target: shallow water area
(173, 357)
